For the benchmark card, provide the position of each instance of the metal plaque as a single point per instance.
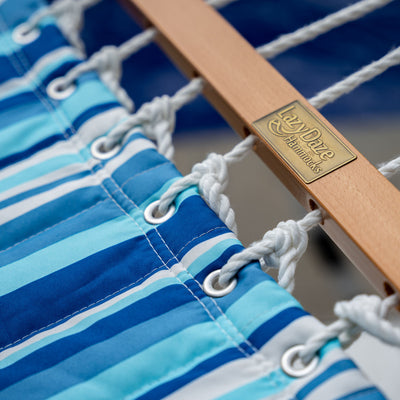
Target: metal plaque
(307, 145)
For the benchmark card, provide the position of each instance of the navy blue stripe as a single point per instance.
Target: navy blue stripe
(49, 214)
(370, 393)
(173, 298)
(199, 370)
(93, 111)
(14, 158)
(186, 222)
(334, 369)
(33, 192)
(68, 290)
(273, 326)
(49, 40)
(20, 107)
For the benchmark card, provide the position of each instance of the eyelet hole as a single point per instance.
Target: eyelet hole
(56, 89)
(212, 288)
(153, 216)
(23, 34)
(293, 366)
(99, 151)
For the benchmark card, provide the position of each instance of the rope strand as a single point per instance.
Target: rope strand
(351, 82)
(317, 28)
(69, 14)
(211, 176)
(280, 248)
(362, 313)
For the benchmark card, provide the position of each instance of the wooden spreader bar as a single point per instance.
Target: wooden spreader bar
(361, 208)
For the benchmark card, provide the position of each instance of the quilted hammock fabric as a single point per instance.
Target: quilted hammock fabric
(96, 303)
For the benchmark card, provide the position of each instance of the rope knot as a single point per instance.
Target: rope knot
(108, 63)
(158, 120)
(286, 245)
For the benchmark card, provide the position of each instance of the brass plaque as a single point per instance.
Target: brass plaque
(307, 145)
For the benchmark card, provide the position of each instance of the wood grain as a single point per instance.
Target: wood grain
(361, 208)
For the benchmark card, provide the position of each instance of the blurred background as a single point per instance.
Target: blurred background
(369, 117)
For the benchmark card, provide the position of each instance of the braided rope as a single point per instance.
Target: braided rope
(390, 168)
(280, 248)
(363, 313)
(317, 28)
(108, 63)
(351, 82)
(69, 14)
(211, 176)
(157, 118)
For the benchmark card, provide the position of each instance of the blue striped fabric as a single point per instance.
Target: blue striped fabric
(96, 303)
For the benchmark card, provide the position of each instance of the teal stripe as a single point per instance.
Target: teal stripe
(94, 315)
(266, 386)
(48, 260)
(173, 357)
(261, 303)
(38, 170)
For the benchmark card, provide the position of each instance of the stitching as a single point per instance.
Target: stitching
(141, 173)
(82, 309)
(192, 240)
(53, 226)
(20, 56)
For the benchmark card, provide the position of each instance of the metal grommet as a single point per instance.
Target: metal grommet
(292, 364)
(213, 289)
(56, 90)
(24, 34)
(98, 151)
(150, 213)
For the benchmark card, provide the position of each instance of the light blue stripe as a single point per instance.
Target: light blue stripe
(48, 260)
(261, 303)
(130, 378)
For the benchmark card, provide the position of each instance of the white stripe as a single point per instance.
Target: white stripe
(75, 320)
(29, 204)
(96, 126)
(203, 247)
(238, 373)
(43, 180)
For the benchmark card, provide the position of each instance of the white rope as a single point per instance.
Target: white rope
(280, 248)
(108, 63)
(348, 84)
(219, 3)
(211, 177)
(390, 168)
(157, 118)
(317, 28)
(362, 313)
(69, 14)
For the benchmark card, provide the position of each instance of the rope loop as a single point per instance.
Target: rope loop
(363, 313)
(280, 248)
(69, 14)
(158, 121)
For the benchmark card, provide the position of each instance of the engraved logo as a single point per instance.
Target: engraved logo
(308, 146)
